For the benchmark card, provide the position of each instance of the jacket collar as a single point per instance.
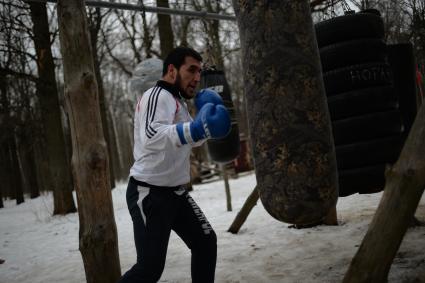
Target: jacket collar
(170, 87)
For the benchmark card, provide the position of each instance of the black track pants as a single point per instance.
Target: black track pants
(155, 212)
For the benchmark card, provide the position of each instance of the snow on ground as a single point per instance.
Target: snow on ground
(40, 248)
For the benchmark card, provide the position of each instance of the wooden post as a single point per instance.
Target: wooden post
(226, 186)
(405, 183)
(240, 219)
(332, 217)
(98, 232)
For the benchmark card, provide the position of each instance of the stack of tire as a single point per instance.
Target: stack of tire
(367, 123)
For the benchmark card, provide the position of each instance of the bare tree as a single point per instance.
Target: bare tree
(127, 38)
(95, 22)
(418, 29)
(1, 195)
(166, 36)
(121, 109)
(60, 169)
(133, 37)
(182, 30)
(28, 136)
(98, 234)
(211, 30)
(12, 173)
(404, 22)
(405, 183)
(13, 72)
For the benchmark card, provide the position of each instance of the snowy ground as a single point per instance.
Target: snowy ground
(40, 248)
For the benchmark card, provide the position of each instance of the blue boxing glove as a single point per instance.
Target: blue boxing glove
(205, 96)
(212, 121)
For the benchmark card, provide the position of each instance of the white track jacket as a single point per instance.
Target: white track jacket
(160, 158)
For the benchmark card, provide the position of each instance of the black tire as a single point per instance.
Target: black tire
(365, 180)
(371, 11)
(361, 154)
(357, 77)
(363, 101)
(352, 52)
(402, 62)
(367, 127)
(349, 27)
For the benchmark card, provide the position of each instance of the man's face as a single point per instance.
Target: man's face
(188, 76)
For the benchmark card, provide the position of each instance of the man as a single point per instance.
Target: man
(164, 134)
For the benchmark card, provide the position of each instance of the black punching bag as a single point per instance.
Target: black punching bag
(226, 149)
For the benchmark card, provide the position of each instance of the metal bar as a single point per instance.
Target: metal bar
(150, 9)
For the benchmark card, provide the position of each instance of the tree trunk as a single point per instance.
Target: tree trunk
(98, 232)
(405, 183)
(28, 138)
(34, 185)
(215, 56)
(105, 124)
(212, 30)
(417, 29)
(31, 163)
(17, 179)
(166, 36)
(3, 177)
(126, 141)
(26, 153)
(5, 166)
(291, 136)
(59, 168)
(9, 188)
(240, 219)
(9, 149)
(114, 147)
(147, 38)
(95, 26)
(183, 31)
(43, 175)
(1, 196)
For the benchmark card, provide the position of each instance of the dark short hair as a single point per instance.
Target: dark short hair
(177, 57)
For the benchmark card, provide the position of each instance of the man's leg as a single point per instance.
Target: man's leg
(195, 230)
(152, 227)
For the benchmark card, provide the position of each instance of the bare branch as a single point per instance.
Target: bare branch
(114, 58)
(16, 74)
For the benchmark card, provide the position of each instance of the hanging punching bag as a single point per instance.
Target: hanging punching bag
(226, 149)
(290, 128)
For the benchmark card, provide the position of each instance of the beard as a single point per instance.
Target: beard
(178, 85)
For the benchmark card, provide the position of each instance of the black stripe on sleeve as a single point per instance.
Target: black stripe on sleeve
(152, 104)
(154, 110)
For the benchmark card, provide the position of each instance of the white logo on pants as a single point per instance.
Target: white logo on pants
(206, 226)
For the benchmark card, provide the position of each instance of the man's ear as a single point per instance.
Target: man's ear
(172, 71)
